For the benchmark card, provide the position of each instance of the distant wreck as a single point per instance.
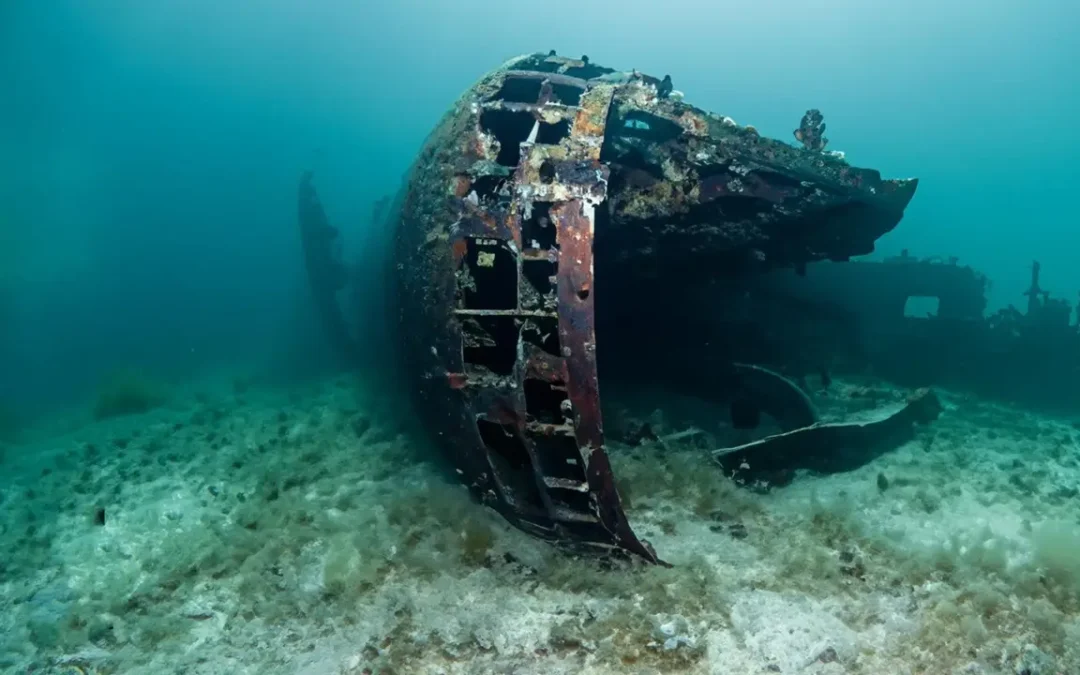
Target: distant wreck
(328, 274)
(559, 200)
(914, 321)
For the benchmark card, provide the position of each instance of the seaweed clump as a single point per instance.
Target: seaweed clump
(128, 392)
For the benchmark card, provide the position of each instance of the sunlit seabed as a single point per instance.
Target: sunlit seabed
(265, 531)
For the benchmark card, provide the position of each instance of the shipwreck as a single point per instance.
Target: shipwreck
(558, 225)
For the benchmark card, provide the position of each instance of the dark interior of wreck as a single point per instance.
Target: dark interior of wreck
(600, 235)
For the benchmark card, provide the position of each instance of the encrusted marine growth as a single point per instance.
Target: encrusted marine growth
(811, 131)
(546, 171)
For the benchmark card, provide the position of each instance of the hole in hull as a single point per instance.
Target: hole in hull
(489, 344)
(538, 232)
(544, 401)
(510, 460)
(539, 274)
(490, 188)
(519, 90)
(503, 440)
(567, 94)
(547, 172)
(640, 124)
(551, 134)
(542, 333)
(921, 307)
(487, 277)
(511, 129)
(559, 456)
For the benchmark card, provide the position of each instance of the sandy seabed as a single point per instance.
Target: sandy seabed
(274, 531)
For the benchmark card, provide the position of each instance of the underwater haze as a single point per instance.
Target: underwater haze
(151, 150)
(196, 479)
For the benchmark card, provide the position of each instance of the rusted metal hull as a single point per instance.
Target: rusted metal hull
(496, 279)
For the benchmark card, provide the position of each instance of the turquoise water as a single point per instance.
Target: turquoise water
(151, 151)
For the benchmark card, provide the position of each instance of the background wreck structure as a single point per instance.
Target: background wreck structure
(908, 320)
(550, 215)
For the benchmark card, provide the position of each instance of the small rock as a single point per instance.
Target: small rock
(720, 516)
(671, 633)
(828, 656)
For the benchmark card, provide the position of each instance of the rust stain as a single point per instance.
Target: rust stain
(578, 336)
(511, 225)
(503, 411)
(546, 367)
(460, 187)
(460, 248)
(576, 319)
(591, 119)
(694, 125)
(585, 123)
